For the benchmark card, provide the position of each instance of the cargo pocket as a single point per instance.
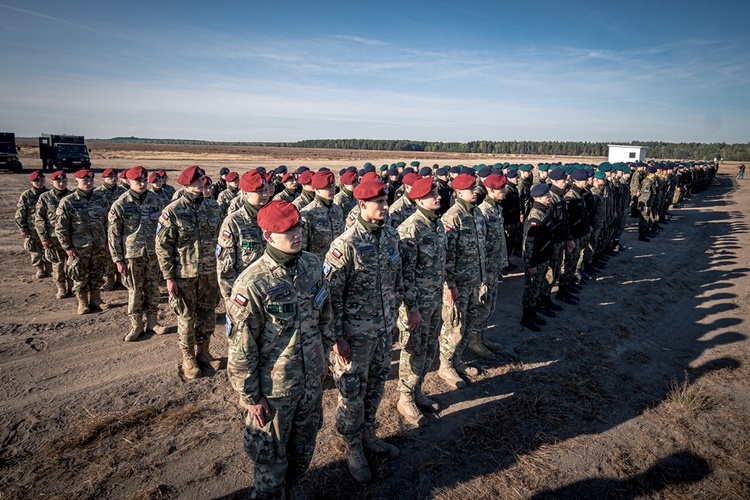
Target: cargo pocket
(177, 305)
(259, 443)
(348, 385)
(51, 255)
(73, 269)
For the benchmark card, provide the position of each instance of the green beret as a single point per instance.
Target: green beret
(600, 175)
(513, 167)
(368, 164)
(394, 165)
(605, 167)
(525, 168)
(415, 163)
(497, 165)
(383, 167)
(543, 167)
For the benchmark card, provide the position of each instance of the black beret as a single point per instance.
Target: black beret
(579, 174)
(511, 174)
(425, 171)
(558, 174)
(484, 172)
(302, 169)
(408, 170)
(392, 171)
(442, 171)
(455, 170)
(223, 171)
(281, 169)
(651, 169)
(467, 170)
(324, 169)
(538, 190)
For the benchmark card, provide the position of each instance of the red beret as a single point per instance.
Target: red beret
(349, 177)
(495, 181)
(463, 181)
(268, 176)
(305, 177)
(370, 177)
(58, 175)
(136, 173)
(421, 188)
(190, 175)
(155, 176)
(287, 176)
(122, 174)
(108, 172)
(322, 180)
(207, 181)
(232, 176)
(410, 179)
(163, 172)
(252, 181)
(83, 174)
(369, 190)
(36, 174)
(278, 216)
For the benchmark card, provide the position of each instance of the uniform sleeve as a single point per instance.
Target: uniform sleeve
(307, 231)
(115, 234)
(529, 242)
(166, 244)
(62, 225)
(336, 271)
(325, 320)
(407, 247)
(227, 257)
(246, 322)
(40, 220)
(22, 209)
(451, 250)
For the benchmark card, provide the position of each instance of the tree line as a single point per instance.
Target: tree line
(674, 150)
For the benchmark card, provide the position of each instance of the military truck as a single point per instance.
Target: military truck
(9, 152)
(63, 152)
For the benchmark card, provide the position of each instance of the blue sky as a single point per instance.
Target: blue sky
(422, 70)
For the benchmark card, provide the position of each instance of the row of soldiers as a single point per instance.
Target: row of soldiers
(386, 270)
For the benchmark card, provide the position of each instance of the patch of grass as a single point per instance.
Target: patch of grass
(684, 395)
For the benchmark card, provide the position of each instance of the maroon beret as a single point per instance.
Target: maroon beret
(58, 175)
(411, 178)
(421, 188)
(207, 181)
(81, 174)
(122, 174)
(163, 172)
(252, 181)
(370, 177)
(305, 177)
(232, 176)
(190, 175)
(36, 174)
(463, 181)
(278, 216)
(136, 173)
(495, 181)
(369, 190)
(287, 176)
(349, 177)
(109, 171)
(322, 180)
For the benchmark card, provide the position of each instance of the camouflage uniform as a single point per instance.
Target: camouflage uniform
(287, 194)
(162, 193)
(304, 199)
(81, 225)
(240, 244)
(346, 200)
(225, 199)
(279, 327)
(44, 222)
(363, 269)
(185, 247)
(579, 230)
(645, 206)
(422, 249)
(352, 217)
(537, 251)
(560, 237)
(112, 194)
(401, 210)
(497, 255)
(169, 191)
(131, 234)
(323, 222)
(599, 215)
(25, 211)
(466, 270)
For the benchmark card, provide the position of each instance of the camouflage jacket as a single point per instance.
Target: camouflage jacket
(26, 208)
(363, 270)
(131, 232)
(322, 224)
(46, 213)
(186, 238)
(162, 194)
(304, 199)
(578, 215)
(599, 208)
(81, 220)
(524, 195)
(112, 194)
(225, 199)
(646, 197)
(466, 261)
(240, 244)
(346, 200)
(495, 244)
(351, 218)
(279, 328)
(422, 249)
(537, 236)
(178, 194)
(401, 210)
(169, 191)
(288, 195)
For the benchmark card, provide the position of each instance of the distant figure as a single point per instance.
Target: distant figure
(741, 171)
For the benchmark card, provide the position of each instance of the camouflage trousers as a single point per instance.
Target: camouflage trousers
(283, 448)
(361, 383)
(87, 269)
(488, 307)
(460, 321)
(194, 309)
(56, 256)
(418, 349)
(533, 284)
(619, 227)
(33, 245)
(571, 260)
(644, 221)
(555, 268)
(591, 245)
(143, 286)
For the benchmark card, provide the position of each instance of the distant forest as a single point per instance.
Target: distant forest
(673, 150)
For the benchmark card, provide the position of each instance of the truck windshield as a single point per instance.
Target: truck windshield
(7, 148)
(71, 149)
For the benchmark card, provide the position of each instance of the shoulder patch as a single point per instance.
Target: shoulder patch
(165, 216)
(447, 226)
(336, 253)
(240, 299)
(410, 242)
(326, 269)
(226, 234)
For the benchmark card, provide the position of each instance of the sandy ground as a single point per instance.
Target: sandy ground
(641, 390)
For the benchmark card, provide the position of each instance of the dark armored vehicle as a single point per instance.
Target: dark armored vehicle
(9, 152)
(63, 152)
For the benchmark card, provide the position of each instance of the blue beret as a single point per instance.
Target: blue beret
(408, 170)
(467, 170)
(324, 169)
(223, 171)
(262, 170)
(579, 174)
(511, 174)
(455, 170)
(558, 174)
(369, 168)
(281, 169)
(343, 171)
(651, 169)
(442, 171)
(484, 171)
(391, 171)
(540, 189)
(361, 172)
(425, 171)
(302, 169)
(352, 168)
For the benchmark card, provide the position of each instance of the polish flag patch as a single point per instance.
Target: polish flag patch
(336, 254)
(226, 234)
(448, 227)
(240, 299)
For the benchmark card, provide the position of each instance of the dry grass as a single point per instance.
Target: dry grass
(687, 397)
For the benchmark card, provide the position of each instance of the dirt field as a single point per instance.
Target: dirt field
(641, 390)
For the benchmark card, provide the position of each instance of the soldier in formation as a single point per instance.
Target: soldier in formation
(112, 189)
(25, 214)
(44, 222)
